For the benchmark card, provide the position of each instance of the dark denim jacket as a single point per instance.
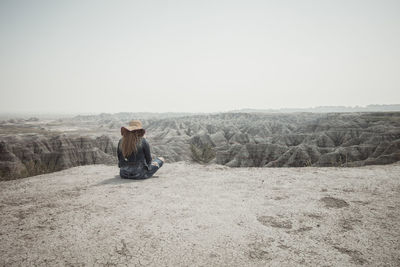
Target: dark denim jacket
(142, 158)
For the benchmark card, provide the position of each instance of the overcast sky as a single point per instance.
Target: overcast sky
(197, 56)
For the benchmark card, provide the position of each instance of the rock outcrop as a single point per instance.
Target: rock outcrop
(194, 215)
(27, 155)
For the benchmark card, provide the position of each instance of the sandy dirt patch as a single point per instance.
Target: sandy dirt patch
(192, 215)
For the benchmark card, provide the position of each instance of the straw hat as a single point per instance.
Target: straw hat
(134, 125)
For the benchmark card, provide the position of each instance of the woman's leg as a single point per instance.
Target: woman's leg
(160, 161)
(132, 173)
(154, 167)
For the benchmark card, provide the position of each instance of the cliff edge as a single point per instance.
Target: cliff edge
(203, 215)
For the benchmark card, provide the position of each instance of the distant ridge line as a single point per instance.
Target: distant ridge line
(325, 109)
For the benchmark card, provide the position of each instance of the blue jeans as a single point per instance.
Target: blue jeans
(134, 172)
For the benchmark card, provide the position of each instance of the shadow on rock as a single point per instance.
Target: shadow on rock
(118, 180)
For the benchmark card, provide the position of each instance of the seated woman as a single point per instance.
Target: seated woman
(134, 158)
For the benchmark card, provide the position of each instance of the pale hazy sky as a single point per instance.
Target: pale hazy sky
(197, 56)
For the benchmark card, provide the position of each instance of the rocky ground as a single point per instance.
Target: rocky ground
(194, 215)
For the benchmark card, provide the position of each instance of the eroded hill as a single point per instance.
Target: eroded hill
(231, 139)
(33, 154)
(276, 140)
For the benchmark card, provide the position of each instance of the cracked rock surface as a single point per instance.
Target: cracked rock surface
(195, 215)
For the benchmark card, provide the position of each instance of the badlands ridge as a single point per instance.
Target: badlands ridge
(30, 147)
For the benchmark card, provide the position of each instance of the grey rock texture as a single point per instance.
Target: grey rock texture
(203, 215)
(231, 139)
(282, 140)
(27, 155)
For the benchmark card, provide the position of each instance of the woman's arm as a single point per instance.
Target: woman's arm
(146, 150)
(119, 153)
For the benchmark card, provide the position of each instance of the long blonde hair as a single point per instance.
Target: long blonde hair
(130, 142)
